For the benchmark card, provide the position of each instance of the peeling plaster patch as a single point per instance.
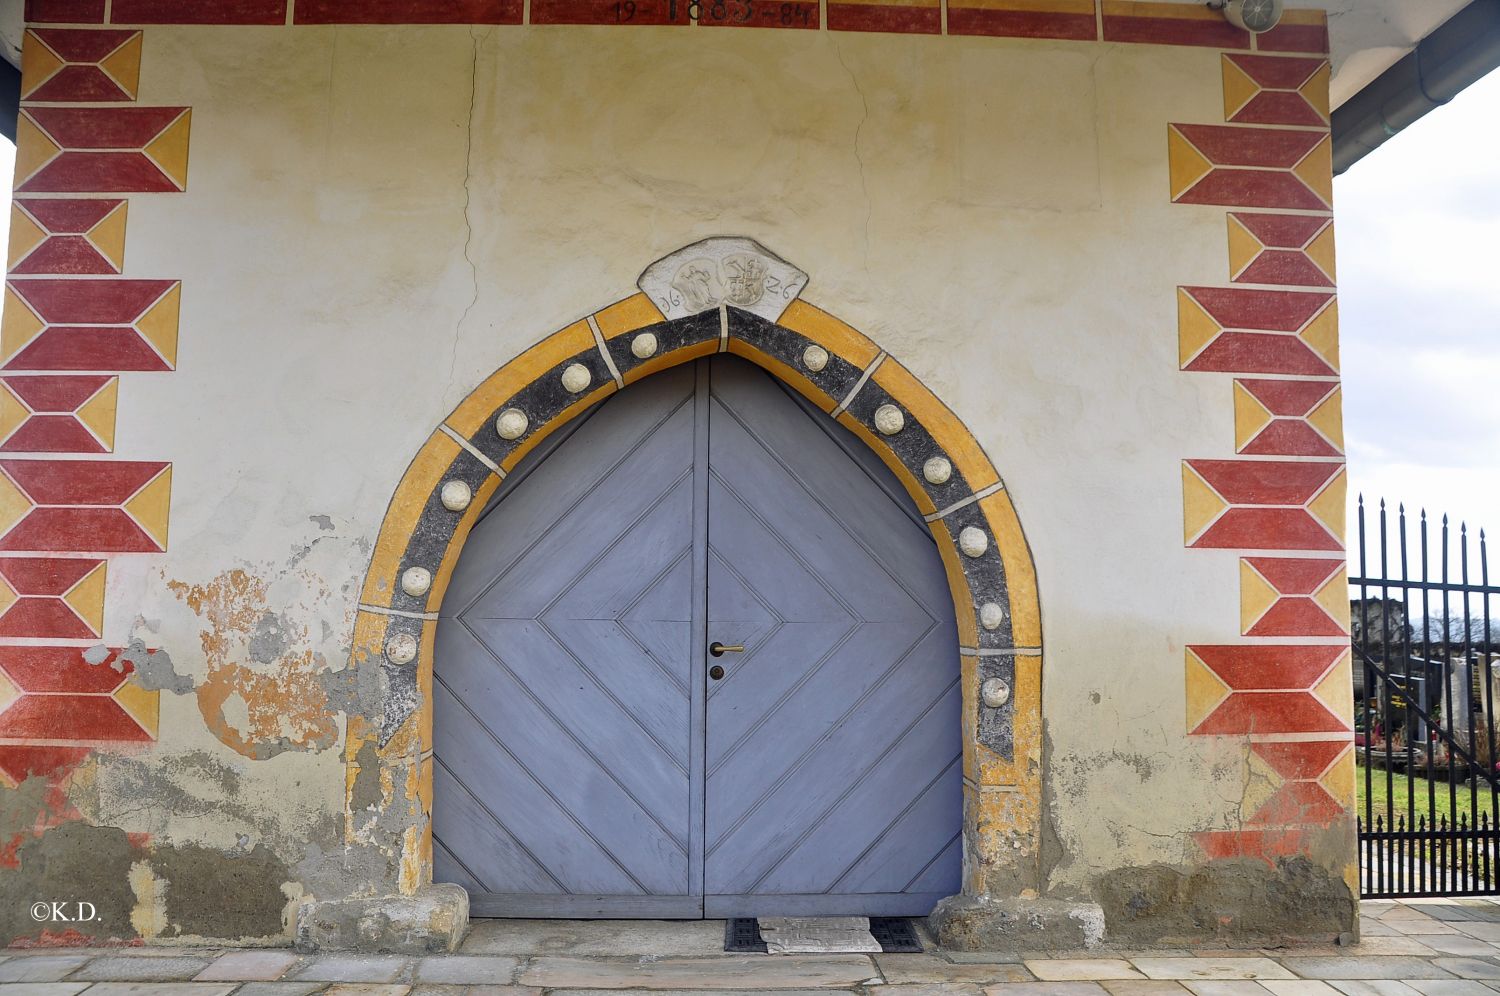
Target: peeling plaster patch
(365, 794)
(96, 655)
(1236, 901)
(266, 689)
(269, 639)
(270, 713)
(72, 862)
(212, 893)
(154, 670)
(323, 522)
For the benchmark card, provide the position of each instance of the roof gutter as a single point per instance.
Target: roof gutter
(10, 99)
(1465, 48)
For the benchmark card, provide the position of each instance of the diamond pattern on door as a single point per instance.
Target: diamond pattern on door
(586, 765)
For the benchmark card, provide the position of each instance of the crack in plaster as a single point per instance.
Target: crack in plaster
(864, 183)
(468, 203)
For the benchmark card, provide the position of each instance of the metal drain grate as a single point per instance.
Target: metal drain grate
(743, 934)
(896, 934)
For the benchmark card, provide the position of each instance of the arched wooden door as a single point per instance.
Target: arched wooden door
(594, 759)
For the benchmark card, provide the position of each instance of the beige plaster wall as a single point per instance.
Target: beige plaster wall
(378, 218)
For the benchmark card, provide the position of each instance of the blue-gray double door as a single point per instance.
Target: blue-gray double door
(591, 761)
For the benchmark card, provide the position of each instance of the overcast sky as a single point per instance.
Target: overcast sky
(1419, 302)
(1419, 281)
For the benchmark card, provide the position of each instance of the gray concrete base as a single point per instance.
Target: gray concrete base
(982, 923)
(433, 920)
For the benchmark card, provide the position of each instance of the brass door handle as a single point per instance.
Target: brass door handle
(719, 649)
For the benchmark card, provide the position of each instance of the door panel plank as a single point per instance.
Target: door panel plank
(833, 743)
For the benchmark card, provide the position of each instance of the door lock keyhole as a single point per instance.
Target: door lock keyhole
(716, 672)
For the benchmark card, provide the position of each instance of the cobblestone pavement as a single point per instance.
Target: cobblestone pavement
(1413, 948)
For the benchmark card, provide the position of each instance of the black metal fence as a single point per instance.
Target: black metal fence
(1427, 655)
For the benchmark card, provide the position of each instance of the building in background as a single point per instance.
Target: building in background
(566, 458)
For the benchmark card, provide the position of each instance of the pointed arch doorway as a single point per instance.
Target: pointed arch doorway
(602, 748)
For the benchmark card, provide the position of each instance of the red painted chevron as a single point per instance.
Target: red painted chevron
(1258, 667)
(1252, 713)
(1300, 759)
(1266, 482)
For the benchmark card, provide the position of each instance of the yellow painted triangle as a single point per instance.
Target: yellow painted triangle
(1243, 247)
(8, 598)
(14, 505)
(109, 235)
(1250, 417)
(1339, 779)
(141, 705)
(98, 413)
(1328, 418)
(13, 413)
(33, 150)
(1239, 88)
(1204, 691)
(1336, 690)
(1261, 783)
(8, 694)
(1333, 598)
(1201, 505)
(1320, 251)
(1315, 90)
(151, 505)
(38, 64)
(169, 150)
(87, 599)
(159, 324)
(1195, 328)
(1185, 164)
(1329, 507)
(124, 65)
(1316, 170)
(1322, 334)
(25, 235)
(18, 325)
(1256, 596)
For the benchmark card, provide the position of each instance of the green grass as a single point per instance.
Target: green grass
(1402, 793)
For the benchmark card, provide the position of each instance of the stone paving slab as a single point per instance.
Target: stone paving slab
(1299, 987)
(1449, 987)
(279, 988)
(919, 968)
(160, 989)
(1224, 987)
(115, 968)
(1373, 987)
(41, 988)
(353, 968)
(624, 938)
(1081, 969)
(248, 966)
(40, 968)
(467, 969)
(705, 992)
(724, 972)
(367, 989)
(1468, 968)
(1358, 967)
(1047, 989)
(1217, 967)
(1148, 987)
